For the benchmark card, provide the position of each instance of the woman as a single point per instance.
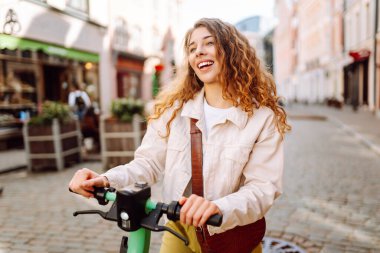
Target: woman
(233, 101)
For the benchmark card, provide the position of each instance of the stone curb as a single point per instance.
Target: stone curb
(13, 169)
(369, 144)
(307, 117)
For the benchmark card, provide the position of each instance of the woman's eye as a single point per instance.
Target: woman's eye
(191, 50)
(210, 43)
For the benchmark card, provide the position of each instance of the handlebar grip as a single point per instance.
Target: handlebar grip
(173, 212)
(100, 194)
(215, 220)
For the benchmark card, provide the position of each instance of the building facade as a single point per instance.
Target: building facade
(359, 71)
(335, 50)
(46, 46)
(138, 39)
(285, 43)
(315, 50)
(377, 59)
(110, 48)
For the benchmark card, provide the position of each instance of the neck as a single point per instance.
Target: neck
(213, 95)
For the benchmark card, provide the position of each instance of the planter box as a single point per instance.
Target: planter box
(52, 146)
(119, 140)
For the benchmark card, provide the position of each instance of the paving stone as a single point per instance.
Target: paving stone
(288, 237)
(19, 246)
(17, 251)
(313, 250)
(57, 249)
(332, 249)
(5, 244)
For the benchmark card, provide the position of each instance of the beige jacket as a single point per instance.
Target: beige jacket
(243, 175)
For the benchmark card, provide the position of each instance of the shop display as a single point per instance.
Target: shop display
(19, 90)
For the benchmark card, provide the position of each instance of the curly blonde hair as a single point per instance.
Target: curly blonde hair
(241, 72)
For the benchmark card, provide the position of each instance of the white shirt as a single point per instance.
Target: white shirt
(78, 93)
(213, 115)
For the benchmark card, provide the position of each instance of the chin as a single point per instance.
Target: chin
(208, 80)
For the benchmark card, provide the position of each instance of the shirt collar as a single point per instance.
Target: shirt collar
(194, 109)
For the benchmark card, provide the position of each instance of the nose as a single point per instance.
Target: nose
(199, 51)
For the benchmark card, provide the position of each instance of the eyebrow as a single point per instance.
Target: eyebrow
(206, 37)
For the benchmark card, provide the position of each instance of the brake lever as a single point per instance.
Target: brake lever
(110, 215)
(150, 222)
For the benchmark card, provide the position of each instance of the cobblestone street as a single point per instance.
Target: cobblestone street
(37, 216)
(330, 201)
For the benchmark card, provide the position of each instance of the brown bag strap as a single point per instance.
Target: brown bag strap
(196, 159)
(197, 177)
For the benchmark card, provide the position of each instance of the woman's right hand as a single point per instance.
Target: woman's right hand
(84, 181)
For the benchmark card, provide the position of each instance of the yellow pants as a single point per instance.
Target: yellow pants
(172, 244)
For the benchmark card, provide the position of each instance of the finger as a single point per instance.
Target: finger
(91, 174)
(86, 194)
(199, 213)
(94, 182)
(196, 203)
(80, 176)
(83, 192)
(184, 209)
(182, 200)
(211, 210)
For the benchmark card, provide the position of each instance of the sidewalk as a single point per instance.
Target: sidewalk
(12, 160)
(363, 125)
(15, 159)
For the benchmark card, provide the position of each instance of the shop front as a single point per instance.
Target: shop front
(356, 83)
(129, 71)
(32, 72)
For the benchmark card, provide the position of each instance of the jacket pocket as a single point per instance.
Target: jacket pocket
(234, 160)
(237, 154)
(176, 155)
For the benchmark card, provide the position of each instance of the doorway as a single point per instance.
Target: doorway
(365, 83)
(55, 83)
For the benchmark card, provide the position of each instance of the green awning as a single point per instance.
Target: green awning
(12, 43)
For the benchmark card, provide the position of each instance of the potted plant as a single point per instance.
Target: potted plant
(121, 133)
(52, 138)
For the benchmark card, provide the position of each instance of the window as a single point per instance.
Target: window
(121, 34)
(18, 85)
(78, 5)
(128, 84)
(137, 39)
(368, 20)
(358, 33)
(156, 42)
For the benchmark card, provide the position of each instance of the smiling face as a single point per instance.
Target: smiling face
(202, 55)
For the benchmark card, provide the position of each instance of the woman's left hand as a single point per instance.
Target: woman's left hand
(196, 210)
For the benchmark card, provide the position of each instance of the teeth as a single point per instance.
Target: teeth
(205, 63)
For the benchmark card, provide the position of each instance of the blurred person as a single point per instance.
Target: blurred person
(224, 89)
(79, 101)
(90, 129)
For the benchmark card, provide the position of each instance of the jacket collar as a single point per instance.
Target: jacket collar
(194, 109)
